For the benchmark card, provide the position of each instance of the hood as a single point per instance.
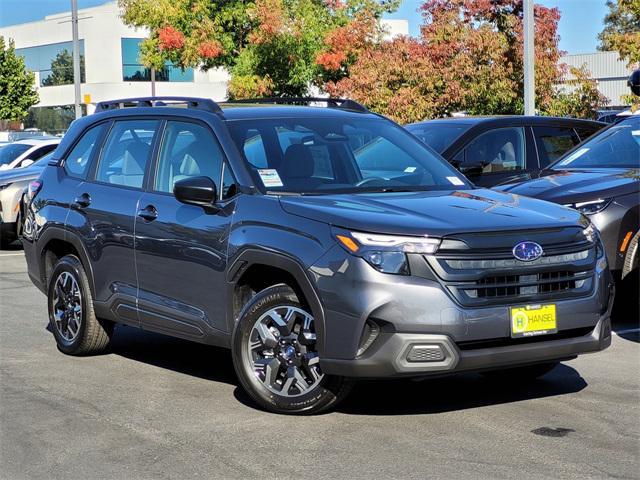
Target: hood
(20, 174)
(571, 186)
(434, 213)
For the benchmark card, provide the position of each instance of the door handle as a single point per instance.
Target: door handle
(83, 201)
(149, 213)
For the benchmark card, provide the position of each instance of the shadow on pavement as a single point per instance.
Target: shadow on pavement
(13, 247)
(383, 397)
(459, 392)
(182, 356)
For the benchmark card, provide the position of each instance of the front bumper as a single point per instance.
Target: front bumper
(415, 311)
(390, 358)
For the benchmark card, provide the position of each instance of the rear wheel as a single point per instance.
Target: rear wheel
(275, 356)
(521, 374)
(71, 317)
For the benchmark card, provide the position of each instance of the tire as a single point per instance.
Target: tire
(68, 290)
(284, 352)
(521, 374)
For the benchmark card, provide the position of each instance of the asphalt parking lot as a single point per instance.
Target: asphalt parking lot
(160, 408)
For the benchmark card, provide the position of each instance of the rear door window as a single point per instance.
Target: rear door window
(126, 152)
(553, 142)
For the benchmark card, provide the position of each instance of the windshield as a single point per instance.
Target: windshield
(10, 152)
(330, 155)
(615, 147)
(438, 135)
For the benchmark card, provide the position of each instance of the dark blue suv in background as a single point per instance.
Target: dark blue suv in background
(258, 227)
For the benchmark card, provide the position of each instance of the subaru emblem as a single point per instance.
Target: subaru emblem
(527, 251)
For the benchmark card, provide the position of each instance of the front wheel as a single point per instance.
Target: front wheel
(275, 357)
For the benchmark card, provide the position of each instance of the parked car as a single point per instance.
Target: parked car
(601, 179)
(311, 272)
(13, 186)
(22, 153)
(498, 150)
(610, 116)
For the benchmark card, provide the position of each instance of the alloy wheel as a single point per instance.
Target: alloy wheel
(67, 307)
(282, 351)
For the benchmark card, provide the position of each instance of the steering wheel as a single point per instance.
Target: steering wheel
(364, 181)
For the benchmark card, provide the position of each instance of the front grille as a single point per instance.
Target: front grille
(496, 278)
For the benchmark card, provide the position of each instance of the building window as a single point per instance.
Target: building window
(134, 71)
(53, 63)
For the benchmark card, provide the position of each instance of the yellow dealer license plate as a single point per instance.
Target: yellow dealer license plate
(533, 320)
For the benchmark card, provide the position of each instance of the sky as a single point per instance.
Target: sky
(579, 26)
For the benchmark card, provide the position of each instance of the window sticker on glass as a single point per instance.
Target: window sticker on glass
(577, 154)
(270, 177)
(410, 169)
(455, 180)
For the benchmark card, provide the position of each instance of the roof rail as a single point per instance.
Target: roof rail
(341, 103)
(191, 102)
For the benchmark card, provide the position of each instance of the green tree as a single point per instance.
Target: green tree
(622, 34)
(62, 70)
(621, 24)
(579, 97)
(270, 47)
(17, 84)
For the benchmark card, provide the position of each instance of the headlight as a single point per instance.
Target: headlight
(385, 253)
(591, 234)
(592, 206)
(2, 187)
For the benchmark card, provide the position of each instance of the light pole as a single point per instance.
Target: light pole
(529, 64)
(76, 57)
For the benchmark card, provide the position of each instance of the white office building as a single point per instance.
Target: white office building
(110, 67)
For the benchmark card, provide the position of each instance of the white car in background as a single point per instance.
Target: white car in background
(22, 153)
(14, 184)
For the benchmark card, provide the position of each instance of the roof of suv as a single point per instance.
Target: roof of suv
(240, 111)
(509, 119)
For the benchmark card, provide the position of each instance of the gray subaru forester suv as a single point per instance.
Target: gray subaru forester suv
(318, 244)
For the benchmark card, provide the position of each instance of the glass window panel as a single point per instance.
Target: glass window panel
(497, 150)
(188, 150)
(134, 71)
(77, 162)
(53, 62)
(126, 152)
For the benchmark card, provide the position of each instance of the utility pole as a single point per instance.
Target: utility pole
(529, 62)
(153, 81)
(76, 57)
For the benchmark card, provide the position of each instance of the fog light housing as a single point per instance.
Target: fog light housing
(425, 353)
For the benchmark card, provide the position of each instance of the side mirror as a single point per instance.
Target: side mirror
(200, 191)
(634, 82)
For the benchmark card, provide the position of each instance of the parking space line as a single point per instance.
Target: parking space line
(11, 254)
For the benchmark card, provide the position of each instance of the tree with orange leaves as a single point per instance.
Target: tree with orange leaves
(270, 47)
(468, 58)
